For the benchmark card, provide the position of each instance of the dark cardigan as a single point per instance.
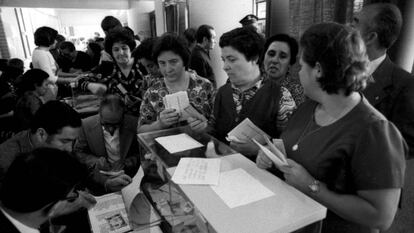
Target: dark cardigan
(261, 109)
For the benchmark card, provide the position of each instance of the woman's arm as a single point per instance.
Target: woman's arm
(372, 208)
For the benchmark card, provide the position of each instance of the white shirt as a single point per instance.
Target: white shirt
(112, 145)
(373, 65)
(20, 226)
(43, 59)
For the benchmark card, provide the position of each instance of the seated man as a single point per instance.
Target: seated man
(55, 125)
(38, 185)
(108, 140)
(73, 61)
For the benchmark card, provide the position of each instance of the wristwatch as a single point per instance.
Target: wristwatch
(314, 187)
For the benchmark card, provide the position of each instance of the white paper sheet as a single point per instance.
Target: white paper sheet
(247, 130)
(197, 171)
(178, 143)
(178, 101)
(237, 188)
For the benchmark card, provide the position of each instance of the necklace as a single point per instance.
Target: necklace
(295, 147)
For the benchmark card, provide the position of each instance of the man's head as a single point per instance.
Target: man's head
(111, 112)
(109, 23)
(68, 50)
(37, 181)
(206, 36)
(250, 21)
(379, 24)
(56, 125)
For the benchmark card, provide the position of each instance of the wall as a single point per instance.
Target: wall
(223, 16)
(138, 17)
(159, 17)
(85, 4)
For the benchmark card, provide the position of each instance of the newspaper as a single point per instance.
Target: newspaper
(123, 211)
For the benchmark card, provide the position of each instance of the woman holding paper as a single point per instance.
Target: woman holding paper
(341, 151)
(246, 95)
(172, 56)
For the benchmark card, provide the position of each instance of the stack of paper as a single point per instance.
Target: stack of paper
(245, 131)
(178, 143)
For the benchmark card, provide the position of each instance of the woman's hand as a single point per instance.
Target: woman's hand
(197, 125)
(262, 161)
(297, 176)
(168, 117)
(247, 148)
(97, 88)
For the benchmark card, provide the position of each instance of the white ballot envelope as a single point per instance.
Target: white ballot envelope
(178, 101)
(273, 153)
(245, 131)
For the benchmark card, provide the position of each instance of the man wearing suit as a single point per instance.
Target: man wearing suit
(392, 90)
(37, 185)
(108, 142)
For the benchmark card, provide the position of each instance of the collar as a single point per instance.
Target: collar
(20, 226)
(257, 85)
(373, 65)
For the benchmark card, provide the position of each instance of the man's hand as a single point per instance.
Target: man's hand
(114, 184)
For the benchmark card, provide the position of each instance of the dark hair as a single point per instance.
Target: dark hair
(109, 23)
(341, 54)
(120, 35)
(53, 116)
(113, 102)
(16, 63)
(40, 178)
(246, 41)
(45, 36)
(96, 50)
(144, 50)
(60, 38)
(31, 79)
(203, 31)
(174, 43)
(387, 23)
(190, 35)
(290, 41)
(67, 45)
(99, 39)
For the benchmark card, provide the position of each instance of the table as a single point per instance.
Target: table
(286, 211)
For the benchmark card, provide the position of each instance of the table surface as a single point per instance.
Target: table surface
(171, 160)
(286, 211)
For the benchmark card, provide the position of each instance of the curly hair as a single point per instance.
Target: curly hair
(244, 40)
(120, 35)
(341, 53)
(174, 43)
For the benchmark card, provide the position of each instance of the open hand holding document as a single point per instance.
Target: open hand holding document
(273, 153)
(245, 131)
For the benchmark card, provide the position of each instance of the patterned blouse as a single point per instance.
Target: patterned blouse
(133, 86)
(200, 93)
(287, 104)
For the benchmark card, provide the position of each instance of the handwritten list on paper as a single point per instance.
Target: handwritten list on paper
(237, 188)
(178, 143)
(199, 171)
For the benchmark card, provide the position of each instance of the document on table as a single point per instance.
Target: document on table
(237, 188)
(197, 171)
(178, 143)
(247, 130)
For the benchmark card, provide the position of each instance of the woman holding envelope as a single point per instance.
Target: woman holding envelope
(172, 55)
(246, 95)
(341, 151)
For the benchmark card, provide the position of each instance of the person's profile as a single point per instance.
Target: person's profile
(116, 222)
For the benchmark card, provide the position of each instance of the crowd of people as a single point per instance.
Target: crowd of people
(347, 123)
